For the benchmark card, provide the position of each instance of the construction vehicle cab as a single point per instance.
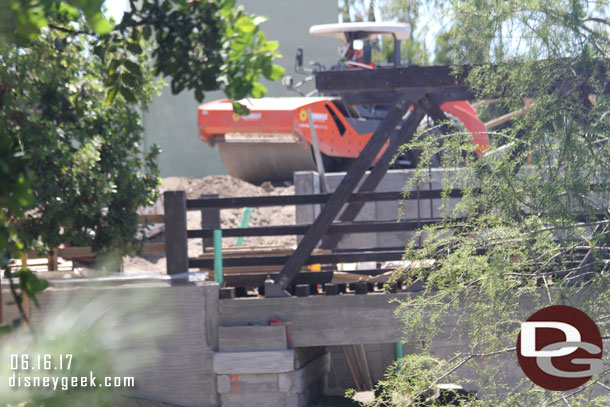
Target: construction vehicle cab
(363, 32)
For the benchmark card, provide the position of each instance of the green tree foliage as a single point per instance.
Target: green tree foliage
(86, 168)
(82, 147)
(72, 87)
(534, 227)
(413, 50)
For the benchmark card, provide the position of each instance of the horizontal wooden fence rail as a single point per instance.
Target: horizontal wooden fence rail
(86, 251)
(177, 235)
(281, 200)
(332, 258)
(359, 227)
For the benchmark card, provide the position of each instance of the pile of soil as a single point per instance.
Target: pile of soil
(224, 186)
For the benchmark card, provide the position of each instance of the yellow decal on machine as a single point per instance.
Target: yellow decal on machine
(303, 115)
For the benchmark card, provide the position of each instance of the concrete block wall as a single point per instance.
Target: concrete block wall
(254, 367)
(308, 182)
(178, 368)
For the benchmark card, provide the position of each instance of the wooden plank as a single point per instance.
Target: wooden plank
(379, 170)
(390, 78)
(433, 110)
(256, 253)
(252, 338)
(76, 251)
(176, 248)
(85, 251)
(345, 257)
(360, 227)
(152, 218)
(305, 199)
(210, 219)
(281, 200)
(254, 362)
(257, 280)
(154, 248)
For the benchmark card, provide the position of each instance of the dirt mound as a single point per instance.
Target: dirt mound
(224, 186)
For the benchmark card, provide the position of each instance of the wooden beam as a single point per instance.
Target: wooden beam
(390, 79)
(210, 219)
(281, 200)
(176, 248)
(389, 97)
(371, 182)
(334, 229)
(348, 257)
(336, 201)
(257, 280)
(433, 109)
(152, 218)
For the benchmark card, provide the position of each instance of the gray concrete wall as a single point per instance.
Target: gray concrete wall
(307, 182)
(171, 121)
(178, 350)
(191, 368)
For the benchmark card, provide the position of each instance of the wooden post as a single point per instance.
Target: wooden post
(176, 247)
(378, 172)
(317, 155)
(52, 260)
(210, 219)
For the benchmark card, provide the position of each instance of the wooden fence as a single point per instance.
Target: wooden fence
(177, 233)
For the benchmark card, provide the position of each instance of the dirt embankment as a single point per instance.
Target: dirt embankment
(224, 186)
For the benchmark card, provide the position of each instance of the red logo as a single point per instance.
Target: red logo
(560, 348)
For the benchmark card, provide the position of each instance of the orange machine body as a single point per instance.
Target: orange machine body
(336, 135)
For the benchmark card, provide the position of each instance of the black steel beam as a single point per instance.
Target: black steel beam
(338, 198)
(332, 258)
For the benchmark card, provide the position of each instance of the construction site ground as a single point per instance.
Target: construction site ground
(224, 186)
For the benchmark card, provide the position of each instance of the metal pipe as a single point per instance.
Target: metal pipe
(396, 51)
(399, 353)
(218, 256)
(245, 221)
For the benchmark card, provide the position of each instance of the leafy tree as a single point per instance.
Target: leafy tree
(533, 228)
(72, 86)
(413, 50)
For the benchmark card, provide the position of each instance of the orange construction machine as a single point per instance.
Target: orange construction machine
(275, 139)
